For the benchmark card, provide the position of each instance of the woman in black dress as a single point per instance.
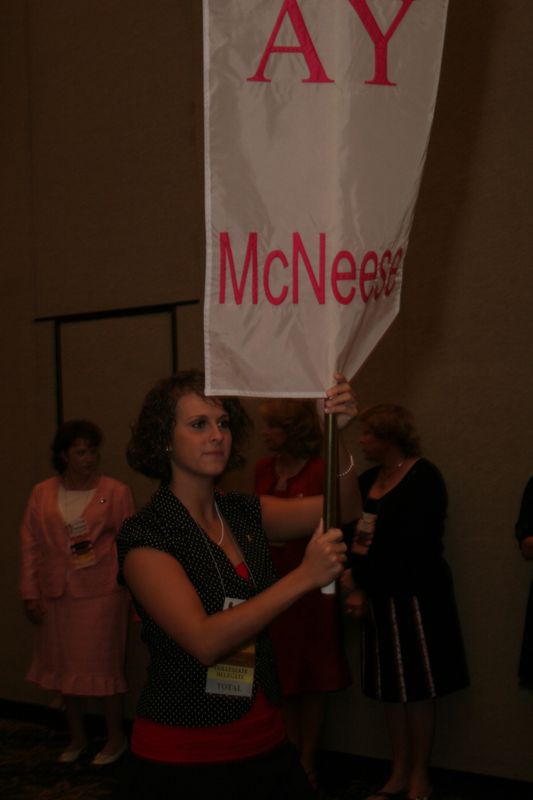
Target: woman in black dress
(412, 644)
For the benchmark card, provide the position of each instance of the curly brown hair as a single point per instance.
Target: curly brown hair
(299, 421)
(147, 450)
(393, 423)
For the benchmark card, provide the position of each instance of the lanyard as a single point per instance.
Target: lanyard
(209, 544)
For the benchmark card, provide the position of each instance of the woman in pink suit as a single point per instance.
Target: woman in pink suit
(69, 585)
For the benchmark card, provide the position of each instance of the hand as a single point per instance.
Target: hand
(346, 583)
(34, 611)
(355, 604)
(324, 556)
(364, 534)
(341, 400)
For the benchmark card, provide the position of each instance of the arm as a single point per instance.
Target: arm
(30, 552)
(524, 526)
(29, 567)
(526, 546)
(162, 587)
(286, 519)
(353, 598)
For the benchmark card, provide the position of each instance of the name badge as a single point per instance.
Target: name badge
(81, 548)
(235, 675)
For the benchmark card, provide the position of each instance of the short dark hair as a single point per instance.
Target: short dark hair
(151, 435)
(299, 421)
(393, 423)
(68, 433)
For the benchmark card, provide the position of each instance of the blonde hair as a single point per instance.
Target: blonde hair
(299, 421)
(392, 423)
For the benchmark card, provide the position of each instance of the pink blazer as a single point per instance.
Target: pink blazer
(46, 564)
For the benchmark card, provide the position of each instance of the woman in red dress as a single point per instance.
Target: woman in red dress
(306, 637)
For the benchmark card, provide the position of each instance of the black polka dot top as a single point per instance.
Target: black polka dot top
(174, 693)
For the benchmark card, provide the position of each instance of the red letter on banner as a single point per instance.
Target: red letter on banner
(385, 259)
(337, 275)
(276, 300)
(317, 73)
(238, 288)
(395, 266)
(319, 286)
(368, 275)
(380, 40)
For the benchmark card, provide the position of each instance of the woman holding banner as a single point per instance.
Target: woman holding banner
(198, 566)
(412, 645)
(307, 637)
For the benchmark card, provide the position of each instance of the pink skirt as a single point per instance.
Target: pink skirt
(79, 648)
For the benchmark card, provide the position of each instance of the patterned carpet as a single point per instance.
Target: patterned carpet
(28, 768)
(29, 771)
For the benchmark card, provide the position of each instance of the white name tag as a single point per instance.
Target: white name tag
(235, 675)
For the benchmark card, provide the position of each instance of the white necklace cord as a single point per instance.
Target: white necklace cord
(222, 529)
(220, 541)
(207, 541)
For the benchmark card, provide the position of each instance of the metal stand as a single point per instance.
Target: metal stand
(332, 462)
(330, 488)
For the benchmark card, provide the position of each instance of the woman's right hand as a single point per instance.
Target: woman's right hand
(364, 534)
(355, 603)
(34, 611)
(324, 556)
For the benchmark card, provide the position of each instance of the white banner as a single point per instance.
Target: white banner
(317, 120)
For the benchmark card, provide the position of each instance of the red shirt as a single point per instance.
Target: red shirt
(259, 731)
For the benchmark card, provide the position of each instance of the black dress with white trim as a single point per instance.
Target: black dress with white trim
(412, 644)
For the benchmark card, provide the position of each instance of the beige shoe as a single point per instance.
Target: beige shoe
(102, 759)
(71, 754)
